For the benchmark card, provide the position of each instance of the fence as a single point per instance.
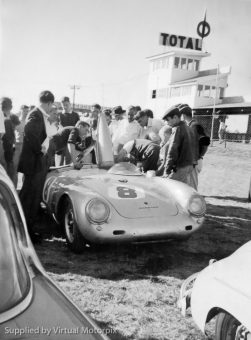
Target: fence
(238, 127)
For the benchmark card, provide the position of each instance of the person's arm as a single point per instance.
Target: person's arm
(74, 153)
(172, 154)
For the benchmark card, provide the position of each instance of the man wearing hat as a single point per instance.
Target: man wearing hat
(67, 118)
(114, 127)
(149, 126)
(179, 160)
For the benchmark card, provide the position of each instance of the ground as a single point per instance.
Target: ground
(133, 290)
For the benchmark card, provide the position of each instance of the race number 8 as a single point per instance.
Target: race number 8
(124, 192)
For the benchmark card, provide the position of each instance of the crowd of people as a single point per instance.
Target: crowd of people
(44, 136)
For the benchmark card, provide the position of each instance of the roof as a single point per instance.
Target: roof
(181, 52)
(199, 78)
(228, 108)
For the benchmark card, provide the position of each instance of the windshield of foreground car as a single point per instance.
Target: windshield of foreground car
(125, 169)
(14, 278)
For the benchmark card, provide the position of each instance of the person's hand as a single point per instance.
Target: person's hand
(43, 150)
(77, 165)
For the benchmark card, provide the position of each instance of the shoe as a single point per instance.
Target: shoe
(36, 238)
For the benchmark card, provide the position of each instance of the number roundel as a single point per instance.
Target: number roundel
(124, 192)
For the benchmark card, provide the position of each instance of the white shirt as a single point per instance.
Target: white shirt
(152, 129)
(114, 128)
(128, 146)
(51, 129)
(128, 131)
(2, 127)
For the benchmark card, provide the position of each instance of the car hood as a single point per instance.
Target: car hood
(234, 271)
(133, 196)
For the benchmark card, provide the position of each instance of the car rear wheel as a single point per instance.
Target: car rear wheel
(74, 238)
(228, 328)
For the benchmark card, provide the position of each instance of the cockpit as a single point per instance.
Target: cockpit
(125, 169)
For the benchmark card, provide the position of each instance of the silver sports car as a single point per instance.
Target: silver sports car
(120, 205)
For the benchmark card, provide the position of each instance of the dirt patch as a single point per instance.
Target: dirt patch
(134, 289)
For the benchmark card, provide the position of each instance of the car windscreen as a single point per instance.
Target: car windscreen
(125, 169)
(14, 278)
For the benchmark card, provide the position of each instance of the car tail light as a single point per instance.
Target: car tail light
(97, 211)
(197, 205)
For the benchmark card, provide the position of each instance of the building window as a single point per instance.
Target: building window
(153, 94)
(190, 64)
(183, 63)
(176, 62)
(175, 92)
(213, 92)
(162, 93)
(186, 90)
(207, 91)
(200, 90)
(221, 92)
(196, 65)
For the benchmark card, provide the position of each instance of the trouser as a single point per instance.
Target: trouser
(31, 194)
(150, 161)
(194, 177)
(11, 171)
(182, 174)
(16, 157)
(2, 158)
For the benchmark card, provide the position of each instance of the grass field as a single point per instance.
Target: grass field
(133, 290)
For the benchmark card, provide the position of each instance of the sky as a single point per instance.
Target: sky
(102, 45)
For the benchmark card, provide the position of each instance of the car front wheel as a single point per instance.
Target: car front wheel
(74, 238)
(228, 328)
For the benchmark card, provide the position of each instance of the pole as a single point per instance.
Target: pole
(74, 88)
(213, 113)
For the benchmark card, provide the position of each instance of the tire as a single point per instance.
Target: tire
(226, 327)
(75, 240)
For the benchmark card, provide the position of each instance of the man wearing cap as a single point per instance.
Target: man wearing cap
(33, 161)
(149, 126)
(140, 150)
(67, 118)
(8, 139)
(199, 142)
(179, 160)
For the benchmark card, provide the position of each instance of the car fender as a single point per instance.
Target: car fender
(224, 285)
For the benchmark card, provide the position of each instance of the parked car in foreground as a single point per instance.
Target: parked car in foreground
(249, 192)
(31, 304)
(223, 290)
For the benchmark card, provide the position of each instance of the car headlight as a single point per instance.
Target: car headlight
(197, 205)
(97, 211)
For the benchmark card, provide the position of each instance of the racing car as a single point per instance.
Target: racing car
(31, 304)
(223, 290)
(117, 203)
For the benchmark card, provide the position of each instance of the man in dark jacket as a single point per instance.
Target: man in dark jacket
(200, 142)
(179, 160)
(8, 139)
(33, 161)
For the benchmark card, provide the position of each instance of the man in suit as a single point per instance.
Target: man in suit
(33, 160)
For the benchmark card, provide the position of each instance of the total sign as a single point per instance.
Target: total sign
(180, 41)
